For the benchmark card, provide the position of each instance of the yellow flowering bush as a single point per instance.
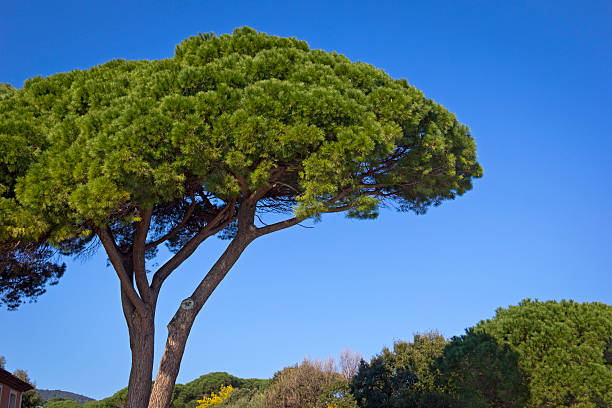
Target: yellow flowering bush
(216, 398)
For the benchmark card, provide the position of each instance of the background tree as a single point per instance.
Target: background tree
(400, 377)
(130, 155)
(337, 395)
(244, 398)
(418, 356)
(301, 385)
(23, 375)
(348, 363)
(31, 399)
(63, 403)
(475, 371)
(562, 348)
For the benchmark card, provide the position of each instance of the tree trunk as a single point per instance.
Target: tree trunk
(180, 325)
(178, 332)
(142, 335)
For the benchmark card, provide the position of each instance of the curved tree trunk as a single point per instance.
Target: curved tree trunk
(178, 332)
(180, 325)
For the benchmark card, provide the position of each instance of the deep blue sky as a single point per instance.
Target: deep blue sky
(531, 78)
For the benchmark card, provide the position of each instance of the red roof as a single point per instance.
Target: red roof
(14, 382)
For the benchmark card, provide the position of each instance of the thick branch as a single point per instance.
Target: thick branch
(140, 238)
(128, 311)
(222, 219)
(277, 226)
(115, 257)
(220, 269)
(180, 325)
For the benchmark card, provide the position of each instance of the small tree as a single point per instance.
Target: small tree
(31, 399)
(301, 385)
(131, 155)
(349, 363)
(23, 375)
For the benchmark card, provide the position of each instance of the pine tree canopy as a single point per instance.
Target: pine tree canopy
(229, 118)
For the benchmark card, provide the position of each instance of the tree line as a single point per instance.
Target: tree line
(533, 355)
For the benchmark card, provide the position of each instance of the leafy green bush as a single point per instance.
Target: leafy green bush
(244, 398)
(337, 395)
(301, 385)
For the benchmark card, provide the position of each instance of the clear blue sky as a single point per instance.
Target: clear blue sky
(531, 78)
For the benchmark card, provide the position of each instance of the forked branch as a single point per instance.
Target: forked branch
(127, 286)
(222, 220)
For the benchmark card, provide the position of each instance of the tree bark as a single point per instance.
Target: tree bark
(142, 335)
(180, 325)
(141, 329)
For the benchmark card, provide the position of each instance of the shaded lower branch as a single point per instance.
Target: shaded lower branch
(224, 218)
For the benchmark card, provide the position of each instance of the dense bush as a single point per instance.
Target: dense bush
(301, 385)
(244, 398)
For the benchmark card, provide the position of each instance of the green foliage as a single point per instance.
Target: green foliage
(117, 400)
(562, 349)
(417, 357)
(22, 375)
(402, 377)
(25, 269)
(186, 395)
(379, 384)
(224, 117)
(62, 403)
(337, 395)
(244, 398)
(31, 399)
(475, 371)
(6, 90)
(301, 385)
